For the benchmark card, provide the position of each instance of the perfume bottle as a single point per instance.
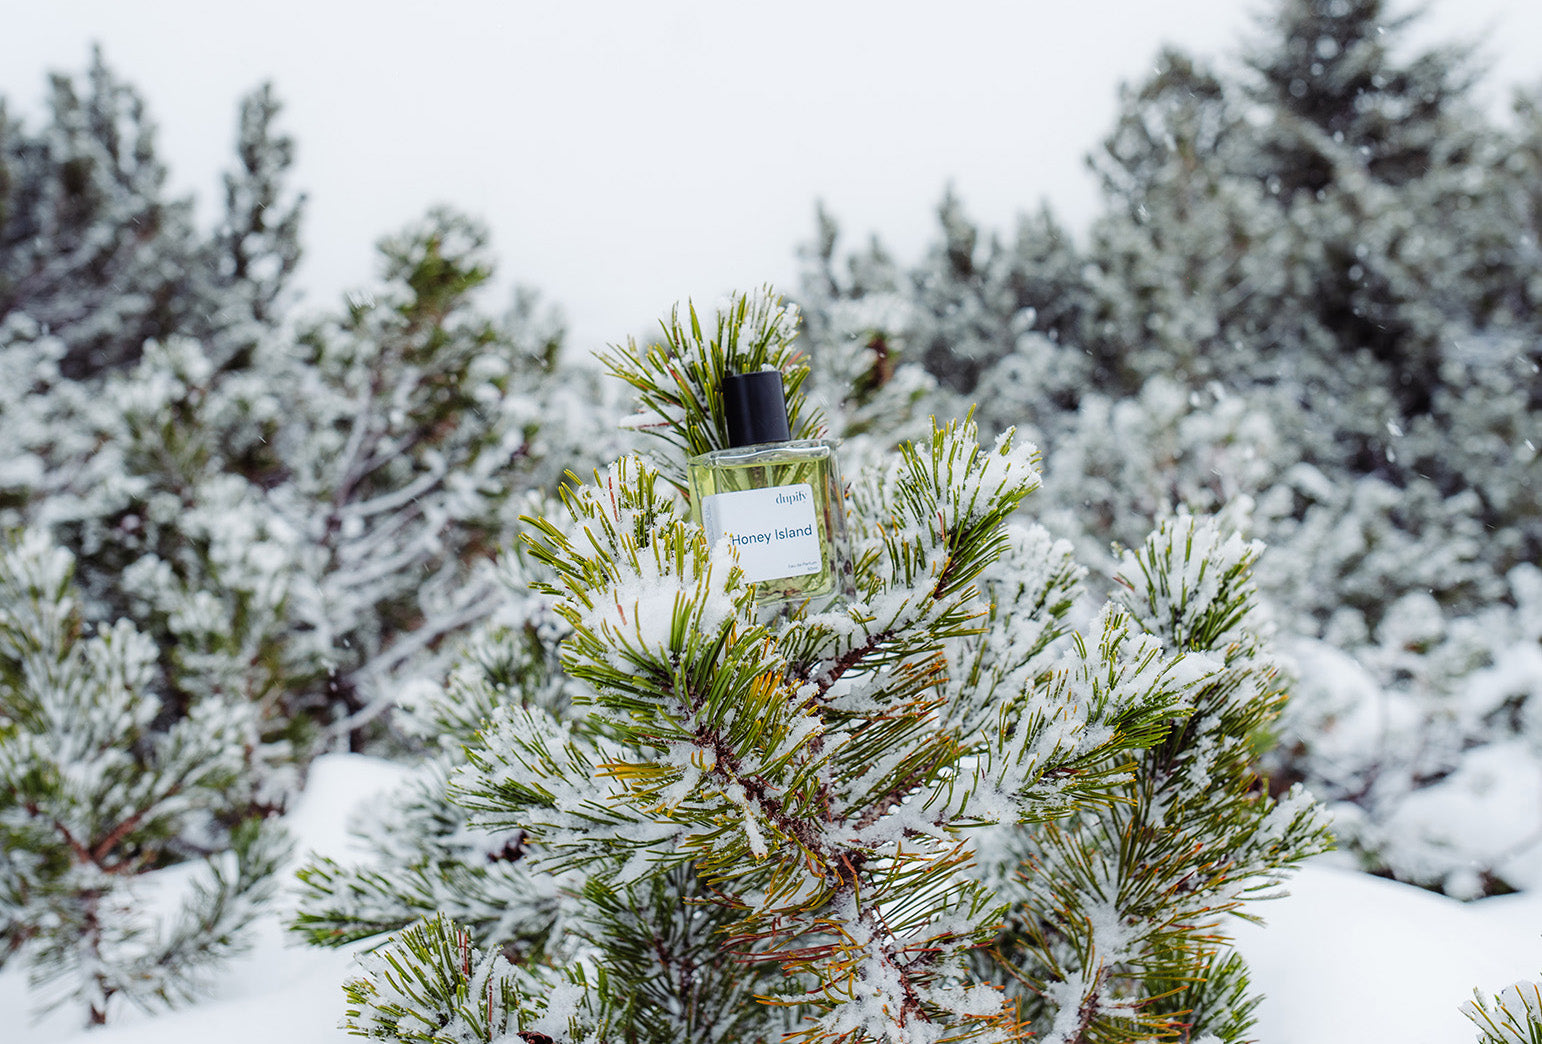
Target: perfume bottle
(779, 499)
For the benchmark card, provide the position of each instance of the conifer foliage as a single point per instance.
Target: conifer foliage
(89, 246)
(418, 415)
(268, 524)
(92, 794)
(815, 826)
(1309, 297)
(1513, 1017)
(1138, 886)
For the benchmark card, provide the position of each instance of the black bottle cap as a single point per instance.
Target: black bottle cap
(755, 408)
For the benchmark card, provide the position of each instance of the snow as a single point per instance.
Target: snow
(1351, 957)
(1489, 808)
(1344, 957)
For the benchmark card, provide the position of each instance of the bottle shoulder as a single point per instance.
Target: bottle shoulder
(793, 449)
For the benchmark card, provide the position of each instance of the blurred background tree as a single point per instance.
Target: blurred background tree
(1313, 286)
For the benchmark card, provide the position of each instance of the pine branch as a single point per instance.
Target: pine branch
(1140, 888)
(431, 985)
(1514, 1016)
(95, 794)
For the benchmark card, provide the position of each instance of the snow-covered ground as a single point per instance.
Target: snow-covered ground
(1344, 959)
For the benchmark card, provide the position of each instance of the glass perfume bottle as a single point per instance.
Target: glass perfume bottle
(779, 499)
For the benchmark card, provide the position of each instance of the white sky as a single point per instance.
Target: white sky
(628, 154)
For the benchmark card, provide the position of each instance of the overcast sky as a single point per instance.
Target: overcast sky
(628, 153)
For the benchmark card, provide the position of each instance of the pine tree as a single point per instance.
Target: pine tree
(995, 314)
(419, 420)
(90, 247)
(138, 461)
(1524, 167)
(964, 335)
(1322, 249)
(1186, 248)
(1327, 71)
(1362, 146)
(169, 533)
(978, 298)
(93, 793)
(865, 376)
(1042, 284)
(428, 857)
(287, 524)
(1127, 462)
(297, 523)
(94, 253)
(37, 407)
(803, 826)
(148, 464)
(1323, 221)
(256, 246)
(1310, 290)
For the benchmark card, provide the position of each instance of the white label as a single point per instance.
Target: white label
(776, 529)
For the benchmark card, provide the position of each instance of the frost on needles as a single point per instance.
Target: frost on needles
(1512, 1017)
(939, 813)
(92, 795)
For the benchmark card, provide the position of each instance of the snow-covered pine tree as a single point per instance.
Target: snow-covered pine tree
(1369, 391)
(418, 420)
(153, 471)
(1118, 932)
(1185, 248)
(980, 301)
(961, 334)
(1311, 287)
(95, 264)
(1041, 286)
(93, 252)
(858, 324)
(800, 827)
(1477, 436)
(168, 532)
(1323, 222)
(427, 857)
(39, 427)
(90, 247)
(1415, 222)
(182, 472)
(94, 792)
(977, 312)
(1331, 70)
(297, 521)
(1525, 169)
(256, 245)
(1374, 155)
(1129, 461)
